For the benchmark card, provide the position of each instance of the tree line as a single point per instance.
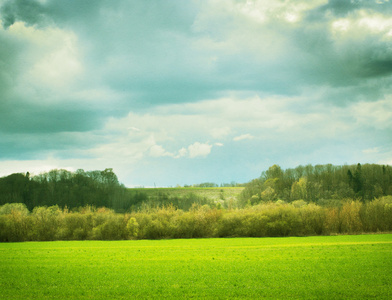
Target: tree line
(320, 183)
(73, 190)
(269, 219)
(63, 188)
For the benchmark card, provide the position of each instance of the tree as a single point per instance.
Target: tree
(358, 182)
(274, 171)
(299, 189)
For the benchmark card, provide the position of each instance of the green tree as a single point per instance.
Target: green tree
(46, 223)
(299, 189)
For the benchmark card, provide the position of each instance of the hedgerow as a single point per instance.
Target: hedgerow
(271, 219)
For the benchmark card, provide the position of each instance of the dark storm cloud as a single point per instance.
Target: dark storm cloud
(27, 11)
(343, 8)
(148, 49)
(140, 47)
(338, 58)
(36, 118)
(145, 47)
(10, 49)
(63, 145)
(31, 110)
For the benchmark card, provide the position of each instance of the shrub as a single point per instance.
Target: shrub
(333, 222)
(46, 223)
(8, 208)
(15, 223)
(109, 226)
(132, 227)
(350, 217)
(267, 219)
(76, 226)
(313, 219)
(255, 224)
(377, 216)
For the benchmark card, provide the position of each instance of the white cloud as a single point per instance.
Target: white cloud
(246, 136)
(371, 150)
(199, 149)
(272, 118)
(159, 151)
(377, 114)
(34, 167)
(134, 129)
(195, 150)
(220, 132)
(54, 60)
(182, 152)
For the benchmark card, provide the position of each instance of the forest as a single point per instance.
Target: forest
(62, 188)
(307, 200)
(320, 183)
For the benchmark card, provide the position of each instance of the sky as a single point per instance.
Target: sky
(183, 92)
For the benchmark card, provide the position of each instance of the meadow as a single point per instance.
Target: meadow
(214, 193)
(181, 197)
(323, 267)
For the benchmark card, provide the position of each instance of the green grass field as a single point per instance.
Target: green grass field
(334, 267)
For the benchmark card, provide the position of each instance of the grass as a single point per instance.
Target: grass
(333, 267)
(213, 193)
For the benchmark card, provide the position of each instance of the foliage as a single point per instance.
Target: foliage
(270, 219)
(102, 189)
(319, 183)
(63, 188)
(61, 205)
(182, 198)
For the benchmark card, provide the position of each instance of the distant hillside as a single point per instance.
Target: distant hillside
(185, 197)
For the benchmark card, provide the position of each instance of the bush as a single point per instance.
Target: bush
(231, 224)
(8, 208)
(350, 217)
(255, 224)
(313, 219)
(109, 226)
(132, 227)
(15, 223)
(377, 216)
(76, 226)
(46, 221)
(266, 219)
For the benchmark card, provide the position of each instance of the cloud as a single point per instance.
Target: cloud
(371, 151)
(246, 136)
(134, 85)
(199, 150)
(377, 114)
(182, 152)
(220, 132)
(134, 129)
(159, 151)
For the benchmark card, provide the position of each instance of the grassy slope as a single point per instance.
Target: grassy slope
(214, 193)
(312, 267)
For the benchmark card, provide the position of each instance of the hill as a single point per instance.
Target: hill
(185, 197)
